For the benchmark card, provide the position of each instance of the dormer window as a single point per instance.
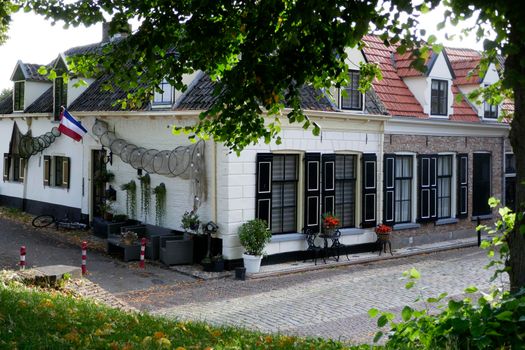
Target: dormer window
(491, 111)
(18, 96)
(350, 96)
(439, 97)
(60, 97)
(163, 96)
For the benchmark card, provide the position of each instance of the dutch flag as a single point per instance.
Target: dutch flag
(70, 126)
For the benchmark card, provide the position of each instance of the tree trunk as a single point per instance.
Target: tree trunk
(516, 240)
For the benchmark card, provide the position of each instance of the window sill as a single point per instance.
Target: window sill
(161, 105)
(446, 221)
(287, 237)
(351, 231)
(482, 217)
(407, 226)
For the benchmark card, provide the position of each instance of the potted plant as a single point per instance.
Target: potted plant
(383, 232)
(330, 223)
(190, 221)
(254, 235)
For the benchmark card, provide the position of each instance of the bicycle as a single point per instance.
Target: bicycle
(46, 220)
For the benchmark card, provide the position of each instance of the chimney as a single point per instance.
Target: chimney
(122, 32)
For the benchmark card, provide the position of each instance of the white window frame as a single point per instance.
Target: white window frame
(453, 185)
(159, 103)
(414, 186)
(340, 98)
(358, 184)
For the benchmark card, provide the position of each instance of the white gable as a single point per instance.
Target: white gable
(440, 69)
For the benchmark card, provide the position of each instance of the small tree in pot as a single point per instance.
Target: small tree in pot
(254, 235)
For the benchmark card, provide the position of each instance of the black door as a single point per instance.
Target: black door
(98, 187)
(481, 184)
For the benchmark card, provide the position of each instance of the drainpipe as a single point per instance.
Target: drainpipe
(503, 199)
(214, 181)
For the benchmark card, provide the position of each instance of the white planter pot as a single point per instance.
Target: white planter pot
(252, 263)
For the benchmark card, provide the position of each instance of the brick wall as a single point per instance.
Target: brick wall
(430, 232)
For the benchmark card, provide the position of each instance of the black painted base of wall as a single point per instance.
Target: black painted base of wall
(303, 255)
(40, 208)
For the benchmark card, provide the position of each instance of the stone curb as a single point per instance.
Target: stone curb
(364, 260)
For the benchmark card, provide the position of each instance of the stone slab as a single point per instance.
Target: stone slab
(51, 274)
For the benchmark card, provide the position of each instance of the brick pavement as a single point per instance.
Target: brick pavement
(334, 303)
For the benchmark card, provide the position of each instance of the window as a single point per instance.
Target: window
(403, 189)
(345, 192)
(165, 94)
(62, 171)
(444, 186)
(490, 111)
(19, 168)
(439, 97)
(18, 96)
(481, 184)
(329, 186)
(350, 96)
(510, 181)
(60, 97)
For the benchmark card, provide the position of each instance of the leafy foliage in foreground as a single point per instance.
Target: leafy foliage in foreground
(31, 319)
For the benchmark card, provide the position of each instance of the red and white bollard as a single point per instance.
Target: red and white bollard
(22, 257)
(142, 252)
(84, 257)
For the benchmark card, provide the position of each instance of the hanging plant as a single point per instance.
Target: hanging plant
(131, 198)
(160, 203)
(104, 176)
(145, 195)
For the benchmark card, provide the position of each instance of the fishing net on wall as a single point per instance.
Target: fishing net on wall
(26, 145)
(29, 146)
(186, 162)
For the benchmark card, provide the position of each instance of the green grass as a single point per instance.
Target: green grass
(32, 318)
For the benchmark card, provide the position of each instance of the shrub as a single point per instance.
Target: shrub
(254, 235)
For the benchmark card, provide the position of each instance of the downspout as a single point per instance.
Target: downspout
(214, 182)
(503, 192)
(381, 172)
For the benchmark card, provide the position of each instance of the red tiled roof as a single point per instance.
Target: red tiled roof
(392, 91)
(395, 94)
(464, 63)
(403, 61)
(463, 111)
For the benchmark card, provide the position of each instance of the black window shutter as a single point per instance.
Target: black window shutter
(67, 166)
(369, 190)
(389, 185)
(312, 191)
(58, 171)
(328, 175)
(263, 187)
(16, 168)
(7, 166)
(462, 210)
(427, 183)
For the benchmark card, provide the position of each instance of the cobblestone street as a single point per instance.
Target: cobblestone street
(330, 303)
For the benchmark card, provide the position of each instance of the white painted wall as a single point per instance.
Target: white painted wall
(154, 133)
(33, 187)
(33, 90)
(237, 177)
(418, 86)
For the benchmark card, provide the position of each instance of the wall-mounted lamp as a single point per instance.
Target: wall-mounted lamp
(107, 158)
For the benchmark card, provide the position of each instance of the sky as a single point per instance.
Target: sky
(32, 39)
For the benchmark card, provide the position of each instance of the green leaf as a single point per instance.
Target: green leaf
(373, 312)
(414, 273)
(409, 284)
(505, 316)
(471, 289)
(406, 313)
(378, 336)
(382, 321)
